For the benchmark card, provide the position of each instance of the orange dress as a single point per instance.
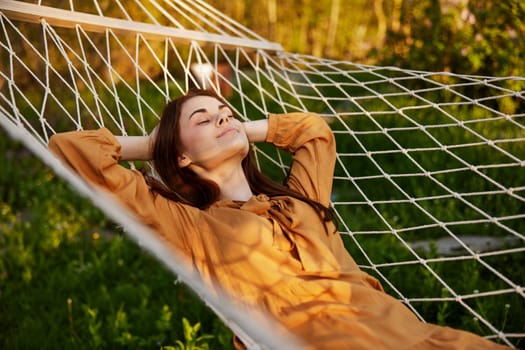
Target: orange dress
(274, 253)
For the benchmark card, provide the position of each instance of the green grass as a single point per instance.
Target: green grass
(69, 276)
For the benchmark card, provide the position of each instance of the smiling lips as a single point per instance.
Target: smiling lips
(226, 130)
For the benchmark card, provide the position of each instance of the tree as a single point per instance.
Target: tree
(476, 37)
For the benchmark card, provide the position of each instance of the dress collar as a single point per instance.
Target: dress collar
(258, 204)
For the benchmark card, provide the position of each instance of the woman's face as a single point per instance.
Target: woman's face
(209, 134)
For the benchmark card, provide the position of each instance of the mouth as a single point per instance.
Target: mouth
(227, 130)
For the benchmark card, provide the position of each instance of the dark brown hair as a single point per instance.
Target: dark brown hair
(185, 186)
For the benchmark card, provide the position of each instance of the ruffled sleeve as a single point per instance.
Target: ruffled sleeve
(312, 144)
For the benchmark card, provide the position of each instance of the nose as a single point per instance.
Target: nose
(222, 118)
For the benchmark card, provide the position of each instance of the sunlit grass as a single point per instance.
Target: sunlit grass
(69, 276)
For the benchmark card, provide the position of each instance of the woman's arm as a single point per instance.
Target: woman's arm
(256, 130)
(135, 147)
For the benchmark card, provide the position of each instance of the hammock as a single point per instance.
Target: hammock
(428, 189)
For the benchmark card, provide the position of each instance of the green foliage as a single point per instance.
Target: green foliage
(470, 37)
(192, 339)
(475, 37)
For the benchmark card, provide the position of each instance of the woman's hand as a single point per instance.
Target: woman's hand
(137, 147)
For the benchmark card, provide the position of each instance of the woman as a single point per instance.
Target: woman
(269, 245)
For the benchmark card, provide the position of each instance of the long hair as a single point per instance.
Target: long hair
(185, 186)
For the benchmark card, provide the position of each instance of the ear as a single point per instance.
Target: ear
(183, 161)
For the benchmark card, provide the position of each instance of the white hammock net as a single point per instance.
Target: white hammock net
(429, 188)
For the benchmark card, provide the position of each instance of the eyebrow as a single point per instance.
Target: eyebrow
(200, 110)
